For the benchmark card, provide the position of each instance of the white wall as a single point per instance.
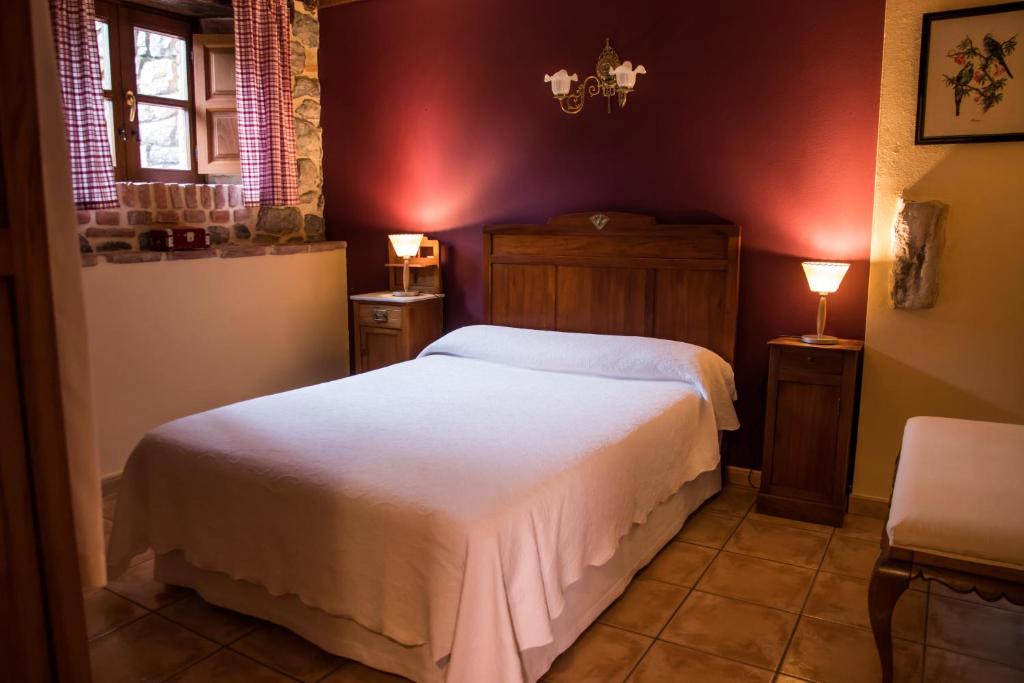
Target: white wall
(962, 358)
(172, 338)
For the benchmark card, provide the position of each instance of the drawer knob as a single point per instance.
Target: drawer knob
(380, 315)
(810, 359)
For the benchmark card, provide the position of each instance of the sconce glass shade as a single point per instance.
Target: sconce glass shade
(625, 74)
(406, 246)
(824, 277)
(560, 82)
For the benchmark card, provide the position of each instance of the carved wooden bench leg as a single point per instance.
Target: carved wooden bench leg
(888, 581)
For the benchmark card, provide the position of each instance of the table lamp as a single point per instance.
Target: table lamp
(406, 246)
(823, 277)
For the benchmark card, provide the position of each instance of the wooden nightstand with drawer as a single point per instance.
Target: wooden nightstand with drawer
(390, 329)
(812, 395)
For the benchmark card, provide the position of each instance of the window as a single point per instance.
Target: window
(145, 57)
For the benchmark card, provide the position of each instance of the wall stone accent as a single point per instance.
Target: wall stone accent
(120, 229)
(307, 224)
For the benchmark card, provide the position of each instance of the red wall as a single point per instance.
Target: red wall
(436, 118)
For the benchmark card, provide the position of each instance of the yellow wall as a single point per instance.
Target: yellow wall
(172, 338)
(965, 357)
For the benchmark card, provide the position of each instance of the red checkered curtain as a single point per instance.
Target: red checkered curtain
(263, 89)
(78, 66)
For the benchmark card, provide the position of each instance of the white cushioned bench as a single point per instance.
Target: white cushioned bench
(957, 517)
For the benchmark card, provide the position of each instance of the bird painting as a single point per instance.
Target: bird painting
(961, 83)
(996, 51)
(981, 73)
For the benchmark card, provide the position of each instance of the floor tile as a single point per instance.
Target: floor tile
(733, 500)
(354, 672)
(679, 563)
(764, 582)
(137, 584)
(602, 654)
(645, 607)
(229, 667)
(783, 678)
(976, 630)
(151, 648)
(215, 623)
(864, 528)
(780, 543)
(708, 528)
(942, 666)
(281, 649)
(939, 589)
(825, 651)
(748, 633)
(668, 663)
(851, 556)
(844, 599)
(105, 611)
(792, 523)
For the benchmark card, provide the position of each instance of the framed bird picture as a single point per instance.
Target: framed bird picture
(971, 83)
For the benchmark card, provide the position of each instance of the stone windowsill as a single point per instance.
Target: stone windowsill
(226, 251)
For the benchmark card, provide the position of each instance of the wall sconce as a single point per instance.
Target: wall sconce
(611, 78)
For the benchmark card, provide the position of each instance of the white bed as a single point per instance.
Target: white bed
(462, 517)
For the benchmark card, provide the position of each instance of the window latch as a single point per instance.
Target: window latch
(129, 100)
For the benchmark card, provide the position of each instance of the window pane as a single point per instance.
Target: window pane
(161, 68)
(108, 114)
(164, 137)
(103, 40)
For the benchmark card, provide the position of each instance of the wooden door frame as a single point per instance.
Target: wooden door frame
(39, 573)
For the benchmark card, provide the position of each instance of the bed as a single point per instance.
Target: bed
(466, 515)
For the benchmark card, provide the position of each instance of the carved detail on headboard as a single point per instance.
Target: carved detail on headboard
(630, 275)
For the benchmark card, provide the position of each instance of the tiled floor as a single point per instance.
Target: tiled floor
(738, 596)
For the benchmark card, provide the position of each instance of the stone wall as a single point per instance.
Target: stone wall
(145, 206)
(306, 221)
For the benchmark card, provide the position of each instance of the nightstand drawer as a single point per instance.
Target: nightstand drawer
(380, 316)
(810, 361)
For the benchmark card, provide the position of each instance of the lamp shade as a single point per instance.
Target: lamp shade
(625, 74)
(560, 82)
(407, 245)
(824, 277)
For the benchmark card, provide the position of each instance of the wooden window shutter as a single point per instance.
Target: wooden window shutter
(213, 60)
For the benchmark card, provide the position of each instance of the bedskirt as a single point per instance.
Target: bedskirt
(586, 599)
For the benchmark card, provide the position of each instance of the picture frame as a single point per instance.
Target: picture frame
(971, 80)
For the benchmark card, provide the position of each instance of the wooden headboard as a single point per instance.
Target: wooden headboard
(616, 273)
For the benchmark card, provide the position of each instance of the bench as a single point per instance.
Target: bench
(956, 517)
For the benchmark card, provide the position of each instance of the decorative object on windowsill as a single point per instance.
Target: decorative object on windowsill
(611, 78)
(823, 277)
(417, 260)
(970, 60)
(918, 238)
(177, 239)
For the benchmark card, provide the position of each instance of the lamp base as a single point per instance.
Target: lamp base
(403, 294)
(823, 339)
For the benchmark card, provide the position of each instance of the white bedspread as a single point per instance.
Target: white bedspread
(448, 500)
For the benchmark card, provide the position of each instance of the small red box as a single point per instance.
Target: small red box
(179, 239)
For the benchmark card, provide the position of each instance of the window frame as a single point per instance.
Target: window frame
(122, 19)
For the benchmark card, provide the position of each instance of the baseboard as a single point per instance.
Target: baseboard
(869, 506)
(110, 483)
(744, 476)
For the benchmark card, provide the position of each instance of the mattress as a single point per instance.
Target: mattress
(447, 504)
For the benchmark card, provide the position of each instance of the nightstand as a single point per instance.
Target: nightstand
(391, 329)
(812, 396)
